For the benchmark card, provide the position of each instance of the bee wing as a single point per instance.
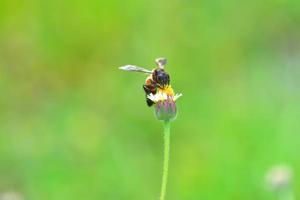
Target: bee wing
(135, 69)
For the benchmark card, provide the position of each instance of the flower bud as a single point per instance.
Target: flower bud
(166, 110)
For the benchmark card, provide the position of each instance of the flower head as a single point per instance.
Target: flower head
(279, 177)
(165, 106)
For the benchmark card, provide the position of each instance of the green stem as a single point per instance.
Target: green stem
(166, 159)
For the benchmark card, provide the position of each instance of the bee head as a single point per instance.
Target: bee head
(161, 78)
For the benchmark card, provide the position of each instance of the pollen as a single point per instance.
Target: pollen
(168, 90)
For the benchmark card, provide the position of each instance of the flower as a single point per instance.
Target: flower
(165, 106)
(279, 177)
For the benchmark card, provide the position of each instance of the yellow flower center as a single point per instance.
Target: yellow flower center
(168, 90)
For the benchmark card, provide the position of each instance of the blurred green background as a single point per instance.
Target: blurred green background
(73, 126)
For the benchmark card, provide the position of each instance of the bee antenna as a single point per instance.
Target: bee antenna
(161, 62)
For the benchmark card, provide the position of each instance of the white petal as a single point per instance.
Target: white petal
(151, 97)
(177, 96)
(161, 96)
(157, 97)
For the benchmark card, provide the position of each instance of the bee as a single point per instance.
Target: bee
(158, 78)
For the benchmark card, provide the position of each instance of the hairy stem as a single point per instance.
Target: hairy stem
(166, 159)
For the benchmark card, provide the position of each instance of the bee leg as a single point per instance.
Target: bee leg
(149, 102)
(148, 91)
